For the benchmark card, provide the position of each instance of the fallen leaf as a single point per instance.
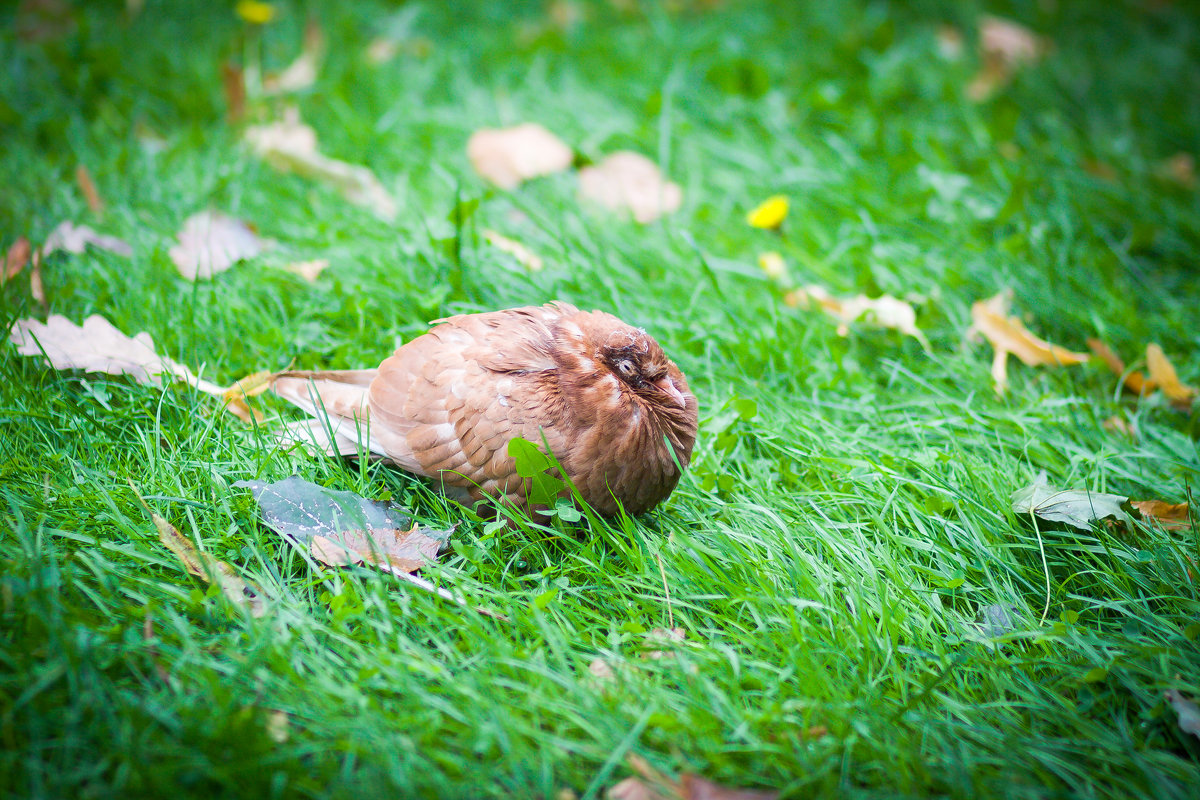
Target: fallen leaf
(97, 346)
(661, 636)
(233, 81)
(1163, 375)
(773, 265)
(628, 181)
(601, 669)
(1171, 516)
(278, 726)
(1179, 168)
(301, 73)
(342, 527)
(655, 785)
(249, 386)
(36, 287)
(309, 270)
(88, 188)
(1134, 382)
(1004, 47)
(508, 156)
(75, 239)
(884, 311)
(524, 256)
(949, 42)
(1007, 334)
(1189, 712)
(16, 258)
(996, 619)
(44, 20)
(203, 565)
(212, 242)
(1075, 507)
(769, 214)
(1116, 424)
(291, 146)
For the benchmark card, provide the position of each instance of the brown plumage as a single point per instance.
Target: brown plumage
(615, 411)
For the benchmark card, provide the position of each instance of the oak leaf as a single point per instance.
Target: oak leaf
(628, 181)
(509, 156)
(1007, 334)
(291, 146)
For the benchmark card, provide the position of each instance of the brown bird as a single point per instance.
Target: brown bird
(614, 410)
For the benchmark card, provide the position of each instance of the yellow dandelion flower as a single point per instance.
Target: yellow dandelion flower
(770, 214)
(255, 12)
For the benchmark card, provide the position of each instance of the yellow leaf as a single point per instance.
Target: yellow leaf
(1165, 377)
(884, 311)
(770, 214)
(1134, 382)
(203, 565)
(1171, 516)
(1007, 334)
(255, 12)
(524, 256)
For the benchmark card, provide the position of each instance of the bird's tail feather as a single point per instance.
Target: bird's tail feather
(337, 402)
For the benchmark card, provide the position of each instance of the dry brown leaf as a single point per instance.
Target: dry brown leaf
(524, 256)
(16, 258)
(508, 156)
(249, 386)
(97, 346)
(203, 565)
(233, 81)
(1171, 516)
(309, 270)
(291, 146)
(884, 311)
(1007, 334)
(301, 73)
(1163, 375)
(628, 181)
(1179, 168)
(212, 242)
(75, 239)
(88, 188)
(1134, 382)
(390, 548)
(1004, 47)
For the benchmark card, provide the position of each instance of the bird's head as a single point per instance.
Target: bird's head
(639, 363)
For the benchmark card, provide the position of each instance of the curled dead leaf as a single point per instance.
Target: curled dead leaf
(291, 146)
(509, 156)
(16, 258)
(203, 565)
(524, 256)
(884, 311)
(628, 181)
(233, 81)
(1007, 334)
(212, 242)
(1171, 516)
(1134, 381)
(1163, 375)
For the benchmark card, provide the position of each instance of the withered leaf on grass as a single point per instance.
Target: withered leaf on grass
(340, 527)
(509, 156)
(301, 73)
(1189, 712)
(16, 258)
(97, 346)
(651, 784)
(1171, 516)
(1162, 374)
(1007, 334)
(523, 255)
(628, 181)
(308, 270)
(291, 146)
(212, 242)
(1075, 507)
(884, 311)
(203, 565)
(88, 188)
(1004, 47)
(75, 238)
(1133, 381)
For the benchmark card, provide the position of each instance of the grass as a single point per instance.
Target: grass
(830, 549)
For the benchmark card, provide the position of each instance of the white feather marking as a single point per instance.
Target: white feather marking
(445, 431)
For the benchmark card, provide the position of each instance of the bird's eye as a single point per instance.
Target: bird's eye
(626, 368)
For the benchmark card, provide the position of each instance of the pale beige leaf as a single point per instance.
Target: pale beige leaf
(203, 565)
(508, 156)
(97, 346)
(884, 311)
(1004, 47)
(601, 669)
(309, 270)
(1163, 375)
(524, 256)
(75, 238)
(212, 242)
(406, 550)
(291, 146)
(301, 73)
(637, 789)
(1007, 334)
(693, 787)
(628, 181)
(278, 726)
(1189, 712)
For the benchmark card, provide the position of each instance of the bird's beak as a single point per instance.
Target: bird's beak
(667, 385)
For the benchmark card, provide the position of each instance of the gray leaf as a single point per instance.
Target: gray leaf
(1078, 508)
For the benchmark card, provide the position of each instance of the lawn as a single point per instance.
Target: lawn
(864, 614)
